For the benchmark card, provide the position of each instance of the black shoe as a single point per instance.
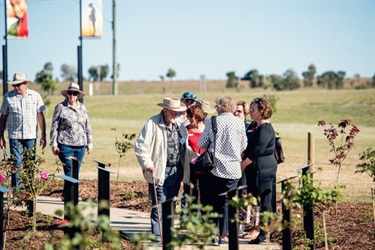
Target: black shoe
(257, 240)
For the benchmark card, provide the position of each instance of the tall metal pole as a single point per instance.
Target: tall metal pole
(114, 63)
(79, 50)
(5, 53)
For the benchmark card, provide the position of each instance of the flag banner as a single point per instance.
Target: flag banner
(17, 23)
(92, 18)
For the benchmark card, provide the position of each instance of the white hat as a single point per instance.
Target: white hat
(205, 106)
(19, 78)
(73, 87)
(172, 104)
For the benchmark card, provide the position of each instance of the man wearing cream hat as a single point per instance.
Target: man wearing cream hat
(21, 112)
(161, 152)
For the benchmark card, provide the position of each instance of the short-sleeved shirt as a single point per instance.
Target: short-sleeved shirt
(22, 114)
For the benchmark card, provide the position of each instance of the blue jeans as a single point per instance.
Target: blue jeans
(16, 149)
(173, 178)
(66, 152)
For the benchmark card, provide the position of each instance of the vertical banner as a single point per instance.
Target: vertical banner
(92, 18)
(17, 23)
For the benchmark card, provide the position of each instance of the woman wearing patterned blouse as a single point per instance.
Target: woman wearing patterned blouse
(71, 130)
(261, 157)
(230, 143)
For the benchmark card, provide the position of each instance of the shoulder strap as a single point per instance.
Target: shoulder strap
(214, 129)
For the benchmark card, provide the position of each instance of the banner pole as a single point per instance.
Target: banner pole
(5, 52)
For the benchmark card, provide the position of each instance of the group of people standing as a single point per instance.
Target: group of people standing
(21, 112)
(171, 141)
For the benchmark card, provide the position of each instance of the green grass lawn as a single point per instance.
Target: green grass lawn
(298, 113)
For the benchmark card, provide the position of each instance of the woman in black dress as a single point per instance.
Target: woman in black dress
(260, 157)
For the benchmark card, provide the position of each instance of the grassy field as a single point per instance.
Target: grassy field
(298, 113)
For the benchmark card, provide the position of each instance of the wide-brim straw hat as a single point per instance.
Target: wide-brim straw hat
(19, 78)
(172, 104)
(205, 106)
(73, 87)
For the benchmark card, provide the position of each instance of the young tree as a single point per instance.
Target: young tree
(170, 74)
(45, 77)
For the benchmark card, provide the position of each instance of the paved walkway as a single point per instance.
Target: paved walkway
(132, 222)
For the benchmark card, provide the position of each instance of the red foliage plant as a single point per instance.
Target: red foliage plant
(343, 145)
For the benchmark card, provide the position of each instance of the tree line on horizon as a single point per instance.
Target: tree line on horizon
(287, 81)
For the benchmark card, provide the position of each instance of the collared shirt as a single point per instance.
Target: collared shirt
(231, 141)
(175, 150)
(71, 126)
(22, 113)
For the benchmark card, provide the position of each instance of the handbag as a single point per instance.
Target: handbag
(279, 153)
(206, 161)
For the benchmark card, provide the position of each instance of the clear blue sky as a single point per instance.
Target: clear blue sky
(202, 37)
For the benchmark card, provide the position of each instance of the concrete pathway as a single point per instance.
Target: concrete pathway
(132, 222)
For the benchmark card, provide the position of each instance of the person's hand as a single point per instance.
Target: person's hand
(2, 143)
(55, 150)
(245, 163)
(89, 150)
(150, 169)
(43, 141)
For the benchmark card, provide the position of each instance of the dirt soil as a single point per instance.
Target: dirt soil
(352, 228)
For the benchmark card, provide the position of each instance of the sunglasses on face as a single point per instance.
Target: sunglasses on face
(72, 93)
(18, 85)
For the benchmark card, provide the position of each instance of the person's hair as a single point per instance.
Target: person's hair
(197, 112)
(246, 108)
(224, 104)
(264, 106)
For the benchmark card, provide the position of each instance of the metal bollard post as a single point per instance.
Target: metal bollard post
(233, 222)
(308, 211)
(232, 218)
(2, 191)
(71, 184)
(167, 221)
(286, 234)
(103, 189)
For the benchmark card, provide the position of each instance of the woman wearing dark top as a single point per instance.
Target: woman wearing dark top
(259, 157)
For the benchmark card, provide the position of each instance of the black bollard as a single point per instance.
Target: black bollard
(286, 234)
(232, 218)
(168, 208)
(233, 222)
(103, 189)
(308, 212)
(2, 191)
(71, 184)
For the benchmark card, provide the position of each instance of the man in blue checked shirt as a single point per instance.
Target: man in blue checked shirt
(21, 112)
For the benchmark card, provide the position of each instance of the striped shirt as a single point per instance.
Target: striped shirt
(71, 126)
(22, 114)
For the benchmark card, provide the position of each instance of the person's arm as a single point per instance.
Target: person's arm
(90, 145)
(3, 120)
(42, 125)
